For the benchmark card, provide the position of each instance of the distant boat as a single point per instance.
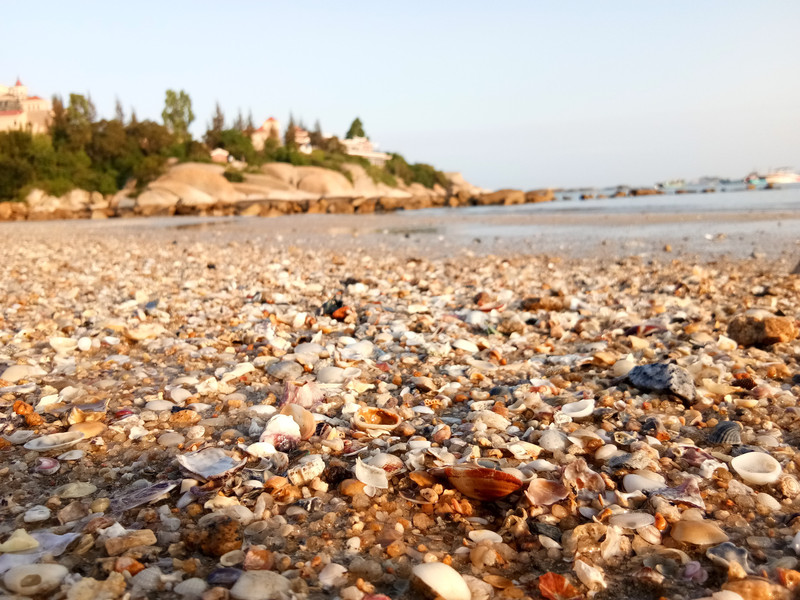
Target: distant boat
(782, 176)
(755, 179)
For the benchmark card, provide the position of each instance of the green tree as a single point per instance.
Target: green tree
(238, 143)
(356, 130)
(238, 123)
(290, 134)
(119, 112)
(212, 137)
(77, 122)
(178, 115)
(316, 136)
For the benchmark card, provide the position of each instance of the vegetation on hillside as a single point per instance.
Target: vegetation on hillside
(106, 155)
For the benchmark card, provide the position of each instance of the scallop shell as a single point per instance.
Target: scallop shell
(578, 410)
(304, 419)
(480, 483)
(370, 418)
(55, 441)
(757, 468)
(543, 492)
(726, 432)
(142, 496)
(210, 463)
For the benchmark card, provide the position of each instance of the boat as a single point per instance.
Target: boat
(672, 184)
(755, 179)
(782, 176)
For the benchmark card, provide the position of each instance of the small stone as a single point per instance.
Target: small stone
(72, 512)
(260, 585)
(285, 369)
(396, 548)
(32, 580)
(663, 377)
(142, 537)
(351, 487)
(15, 373)
(19, 541)
(36, 514)
(92, 589)
(221, 537)
(761, 328)
(78, 489)
(170, 439)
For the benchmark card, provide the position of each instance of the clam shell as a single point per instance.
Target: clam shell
(726, 432)
(480, 483)
(210, 463)
(371, 475)
(757, 468)
(699, 533)
(543, 492)
(55, 441)
(438, 580)
(631, 520)
(20, 436)
(369, 418)
(282, 431)
(578, 410)
(304, 419)
(388, 462)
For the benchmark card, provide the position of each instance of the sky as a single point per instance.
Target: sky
(521, 94)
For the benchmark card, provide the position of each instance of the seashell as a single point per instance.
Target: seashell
(726, 432)
(687, 492)
(20, 436)
(370, 418)
(142, 496)
(552, 440)
(482, 535)
(634, 482)
(650, 534)
(370, 475)
(36, 514)
(260, 450)
(19, 541)
(438, 580)
(33, 580)
(624, 438)
(789, 486)
(578, 410)
(304, 419)
(591, 577)
(306, 470)
(543, 492)
(283, 432)
(388, 462)
(480, 483)
(191, 588)
(211, 463)
(307, 395)
(261, 584)
(46, 465)
(76, 489)
(631, 520)
(699, 533)
(232, 558)
(224, 576)
(757, 468)
(332, 575)
(623, 366)
(54, 441)
(663, 377)
(578, 475)
(150, 579)
(726, 553)
(72, 455)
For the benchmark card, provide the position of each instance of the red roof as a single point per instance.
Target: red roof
(19, 83)
(271, 119)
(8, 113)
(34, 97)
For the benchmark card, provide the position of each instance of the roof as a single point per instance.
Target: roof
(271, 119)
(19, 83)
(8, 113)
(35, 98)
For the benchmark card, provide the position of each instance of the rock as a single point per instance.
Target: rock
(281, 171)
(663, 377)
(156, 202)
(32, 580)
(324, 182)
(15, 373)
(363, 185)
(204, 177)
(118, 545)
(260, 585)
(535, 196)
(89, 588)
(221, 536)
(761, 328)
(188, 196)
(285, 369)
(506, 197)
(268, 182)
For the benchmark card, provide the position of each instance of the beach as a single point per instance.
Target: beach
(322, 405)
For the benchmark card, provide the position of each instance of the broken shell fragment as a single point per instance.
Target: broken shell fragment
(304, 419)
(283, 432)
(371, 475)
(699, 533)
(578, 410)
(543, 492)
(54, 441)
(370, 418)
(631, 520)
(438, 580)
(210, 463)
(480, 483)
(757, 468)
(306, 470)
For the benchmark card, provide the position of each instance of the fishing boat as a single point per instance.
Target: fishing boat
(782, 176)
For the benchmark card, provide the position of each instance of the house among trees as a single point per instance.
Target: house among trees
(270, 129)
(363, 147)
(20, 111)
(302, 139)
(220, 155)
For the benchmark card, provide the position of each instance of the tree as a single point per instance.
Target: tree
(178, 114)
(216, 128)
(316, 136)
(119, 113)
(76, 122)
(239, 122)
(250, 127)
(289, 137)
(356, 130)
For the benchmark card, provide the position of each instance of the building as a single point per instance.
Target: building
(271, 128)
(361, 146)
(303, 140)
(220, 155)
(18, 110)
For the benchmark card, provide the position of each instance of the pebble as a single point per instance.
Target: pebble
(33, 580)
(171, 439)
(260, 585)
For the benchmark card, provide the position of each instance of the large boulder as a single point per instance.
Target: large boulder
(539, 196)
(205, 177)
(156, 202)
(282, 171)
(459, 184)
(506, 197)
(363, 184)
(268, 181)
(251, 192)
(324, 182)
(188, 196)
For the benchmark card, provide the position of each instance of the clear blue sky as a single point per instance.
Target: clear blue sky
(519, 94)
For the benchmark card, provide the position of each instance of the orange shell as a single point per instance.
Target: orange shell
(556, 587)
(480, 483)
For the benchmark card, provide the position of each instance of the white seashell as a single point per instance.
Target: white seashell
(14, 373)
(261, 450)
(55, 441)
(32, 580)
(549, 543)
(552, 440)
(631, 520)
(757, 468)
(191, 588)
(72, 455)
(306, 470)
(466, 346)
(606, 451)
(358, 351)
(482, 535)
(282, 431)
(623, 366)
(257, 584)
(388, 462)
(639, 483)
(332, 575)
(437, 579)
(542, 466)
(76, 489)
(210, 463)
(650, 534)
(159, 405)
(37, 513)
(63, 345)
(150, 579)
(371, 475)
(578, 410)
(590, 576)
(796, 543)
(232, 558)
(20, 436)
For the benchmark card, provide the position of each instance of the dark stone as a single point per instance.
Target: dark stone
(663, 377)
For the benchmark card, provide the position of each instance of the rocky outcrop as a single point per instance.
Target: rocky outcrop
(326, 183)
(504, 197)
(534, 196)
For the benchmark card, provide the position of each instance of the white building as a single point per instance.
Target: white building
(361, 146)
(18, 110)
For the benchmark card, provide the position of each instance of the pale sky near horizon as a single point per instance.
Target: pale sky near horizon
(513, 94)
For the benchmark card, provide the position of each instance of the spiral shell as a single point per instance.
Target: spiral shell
(726, 432)
(789, 486)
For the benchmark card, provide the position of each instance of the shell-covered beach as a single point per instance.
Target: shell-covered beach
(300, 408)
